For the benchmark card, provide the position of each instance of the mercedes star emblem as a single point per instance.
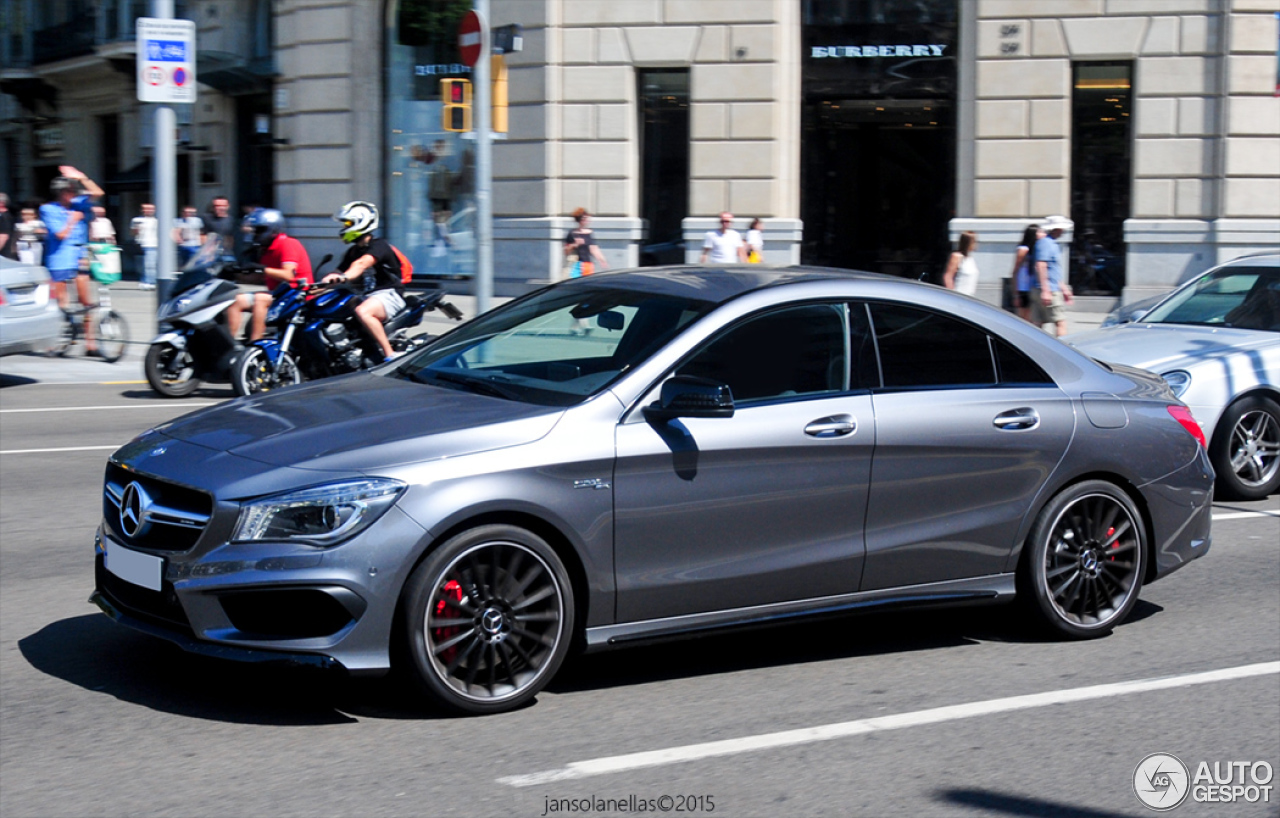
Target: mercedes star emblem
(135, 510)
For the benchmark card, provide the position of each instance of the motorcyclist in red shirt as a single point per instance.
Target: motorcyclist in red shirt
(282, 258)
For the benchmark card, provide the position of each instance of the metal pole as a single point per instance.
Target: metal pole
(165, 180)
(484, 163)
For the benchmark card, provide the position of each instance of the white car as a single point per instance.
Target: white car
(30, 320)
(1216, 341)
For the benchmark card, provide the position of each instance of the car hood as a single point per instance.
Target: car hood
(362, 422)
(1164, 347)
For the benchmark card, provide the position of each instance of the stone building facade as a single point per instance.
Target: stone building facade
(865, 133)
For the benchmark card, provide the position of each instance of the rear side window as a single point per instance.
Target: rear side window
(919, 348)
(1015, 367)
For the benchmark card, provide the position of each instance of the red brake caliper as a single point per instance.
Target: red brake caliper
(1110, 533)
(454, 590)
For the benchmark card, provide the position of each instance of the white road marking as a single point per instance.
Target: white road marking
(65, 449)
(157, 405)
(827, 732)
(1244, 515)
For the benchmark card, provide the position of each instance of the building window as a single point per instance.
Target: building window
(664, 162)
(1101, 163)
(428, 207)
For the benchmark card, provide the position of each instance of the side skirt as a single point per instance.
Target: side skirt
(989, 589)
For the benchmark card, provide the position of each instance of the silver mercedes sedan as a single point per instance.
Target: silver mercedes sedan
(654, 454)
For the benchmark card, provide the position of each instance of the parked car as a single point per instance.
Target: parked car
(1216, 341)
(30, 319)
(650, 454)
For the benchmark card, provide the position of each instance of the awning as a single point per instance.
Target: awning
(234, 75)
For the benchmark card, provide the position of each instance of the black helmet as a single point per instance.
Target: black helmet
(263, 225)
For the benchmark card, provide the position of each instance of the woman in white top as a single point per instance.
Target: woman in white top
(962, 270)
(1023, 280)
(755, 242)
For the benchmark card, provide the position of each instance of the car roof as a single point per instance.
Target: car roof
(718, 284)
(1252, 260)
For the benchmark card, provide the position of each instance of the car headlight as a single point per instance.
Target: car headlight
(1178, 381)
(322, 515)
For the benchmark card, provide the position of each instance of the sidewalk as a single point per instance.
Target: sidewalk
(139, 310)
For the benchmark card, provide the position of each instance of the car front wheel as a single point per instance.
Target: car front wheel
(488, 617)
(1245, 449)
(1085, 560)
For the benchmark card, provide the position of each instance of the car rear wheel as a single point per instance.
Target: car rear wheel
(1085, 560)
(1245, 449)
(488, 617)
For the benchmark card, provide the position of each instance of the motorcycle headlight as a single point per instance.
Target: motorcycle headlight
(322, 515)
(1178, 380)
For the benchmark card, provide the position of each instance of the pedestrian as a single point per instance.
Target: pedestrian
(101, 230)
(1021, 277)
(145, 230)
(961, 274)
(188, 234)
(28, 235)
(580, 246)
(8, 246)
(218, 221)
(724, 245)
(1050, 294)
(755, 242)
(66, 220)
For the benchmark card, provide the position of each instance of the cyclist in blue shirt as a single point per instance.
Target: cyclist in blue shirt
(67, 220)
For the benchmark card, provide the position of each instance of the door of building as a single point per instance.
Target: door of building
(878, 184)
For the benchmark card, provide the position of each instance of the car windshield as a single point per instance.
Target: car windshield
(1239, 297)
(555, 347)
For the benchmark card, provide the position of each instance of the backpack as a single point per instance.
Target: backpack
(406, 267)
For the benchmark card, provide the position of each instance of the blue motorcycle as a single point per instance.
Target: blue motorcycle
(319, 335)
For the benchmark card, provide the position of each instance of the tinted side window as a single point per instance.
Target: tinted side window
(795, 351)
(1016, 367)
(922, 348)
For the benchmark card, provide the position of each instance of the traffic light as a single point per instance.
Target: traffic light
(456, 95)
(498, 77)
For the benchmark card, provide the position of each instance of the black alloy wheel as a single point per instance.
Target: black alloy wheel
(489, 618)
(253, 373)
(1085, 560)
(1245, 449)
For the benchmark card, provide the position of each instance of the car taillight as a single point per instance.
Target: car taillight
(1183, 415)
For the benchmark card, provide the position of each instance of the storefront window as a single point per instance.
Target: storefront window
(429, 212)
(878, 134)
(1101, 150)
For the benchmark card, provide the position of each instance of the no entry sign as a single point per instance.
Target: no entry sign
(469, 41)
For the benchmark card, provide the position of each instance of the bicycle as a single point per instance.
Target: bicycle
(110, 328)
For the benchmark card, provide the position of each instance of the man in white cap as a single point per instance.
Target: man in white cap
(1051, 293)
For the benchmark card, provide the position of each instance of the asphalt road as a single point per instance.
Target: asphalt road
(98, 720)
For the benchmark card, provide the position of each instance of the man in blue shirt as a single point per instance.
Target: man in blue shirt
(1050, 293)
(67, 220)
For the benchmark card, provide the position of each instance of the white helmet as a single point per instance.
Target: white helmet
(357, 219)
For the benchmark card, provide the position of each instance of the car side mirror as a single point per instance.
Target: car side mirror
(684, 396)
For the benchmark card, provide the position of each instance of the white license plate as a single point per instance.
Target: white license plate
(140, 569)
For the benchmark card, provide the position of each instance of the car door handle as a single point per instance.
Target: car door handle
(1017, 420)
(834, 426)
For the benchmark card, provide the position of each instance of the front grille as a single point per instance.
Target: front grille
(157, 607)
(163, 516)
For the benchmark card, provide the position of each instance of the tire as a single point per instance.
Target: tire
(1084, 561)
(67, 340)
(1245, 449)
(488, 619)
(252, 372)
(113, 336)
(170, 371)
